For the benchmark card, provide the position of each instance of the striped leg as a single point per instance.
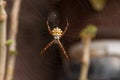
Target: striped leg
(45, 48)
(66, 27)
(49, 28)
(63, 50)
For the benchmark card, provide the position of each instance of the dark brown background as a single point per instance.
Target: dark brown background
(33, 34)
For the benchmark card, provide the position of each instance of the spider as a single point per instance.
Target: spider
(57, 33)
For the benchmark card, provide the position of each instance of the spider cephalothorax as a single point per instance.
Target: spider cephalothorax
(57, 33)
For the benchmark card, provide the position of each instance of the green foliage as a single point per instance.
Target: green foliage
(9, 42)
(12, 52)
(89, 31)
(98, 5)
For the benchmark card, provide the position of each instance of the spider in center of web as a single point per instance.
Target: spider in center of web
(57, 33)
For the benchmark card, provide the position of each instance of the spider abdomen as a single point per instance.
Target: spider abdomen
(57, 37)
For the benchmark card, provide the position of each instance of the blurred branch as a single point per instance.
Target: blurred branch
(12, 39)
(86, 34)
(3, 20)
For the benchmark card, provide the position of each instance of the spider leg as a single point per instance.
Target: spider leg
(66, 27)
(49, 28)
(46, 47)
(63, 50)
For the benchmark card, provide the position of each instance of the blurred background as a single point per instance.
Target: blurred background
(33, 36)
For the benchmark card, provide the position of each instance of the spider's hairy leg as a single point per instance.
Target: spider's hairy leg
(63, 50)
(46, 47)
(65, 31)
(66, 27)
(49, 28)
